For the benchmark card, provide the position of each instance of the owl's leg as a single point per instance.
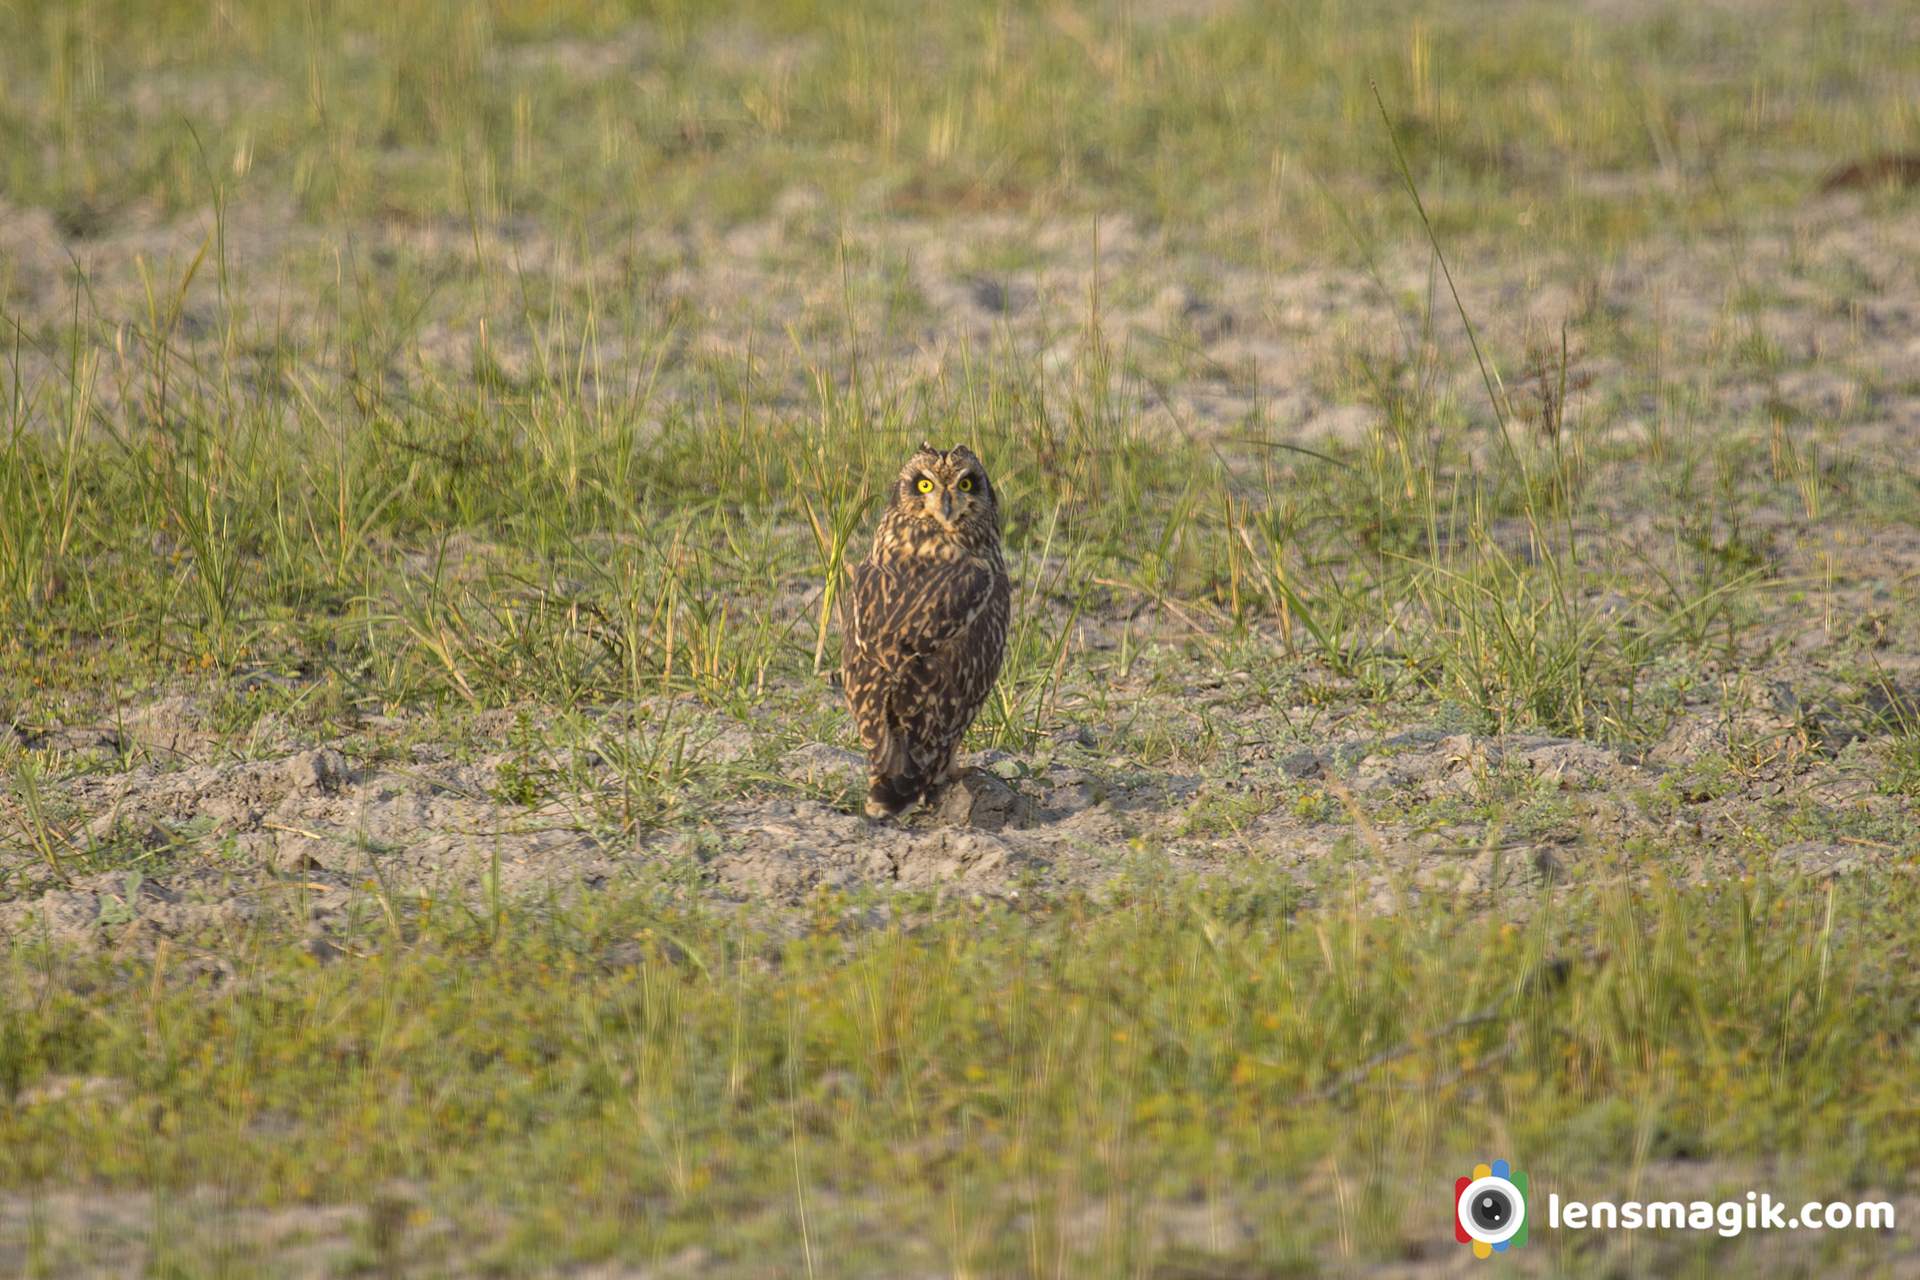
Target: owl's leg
(951, 770)
(945, 776)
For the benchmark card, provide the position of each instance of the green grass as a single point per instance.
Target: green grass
(982, 1092)
(484, 545)
(506, 387)
(705, 111)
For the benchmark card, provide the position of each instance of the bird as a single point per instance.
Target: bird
(924, 625)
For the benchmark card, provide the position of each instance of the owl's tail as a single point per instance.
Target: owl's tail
(896, 781)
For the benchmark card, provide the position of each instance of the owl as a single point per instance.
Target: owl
(924, 624)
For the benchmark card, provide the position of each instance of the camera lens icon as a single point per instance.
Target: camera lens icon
(1490, 1209)
(1494, 1210)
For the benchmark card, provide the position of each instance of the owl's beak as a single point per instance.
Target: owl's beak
(946, 507)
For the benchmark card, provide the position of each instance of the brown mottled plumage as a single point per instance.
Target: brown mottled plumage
(925, 625)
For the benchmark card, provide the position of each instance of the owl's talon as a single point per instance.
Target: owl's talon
(890, 797)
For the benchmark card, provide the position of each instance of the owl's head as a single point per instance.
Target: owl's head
(946, 492)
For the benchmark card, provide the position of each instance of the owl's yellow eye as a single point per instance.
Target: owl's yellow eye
(924, 485)
(966, 484)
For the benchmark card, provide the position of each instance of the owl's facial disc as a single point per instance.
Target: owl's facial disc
(947, 487)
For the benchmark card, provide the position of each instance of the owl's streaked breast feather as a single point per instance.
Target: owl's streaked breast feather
(914, 607)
